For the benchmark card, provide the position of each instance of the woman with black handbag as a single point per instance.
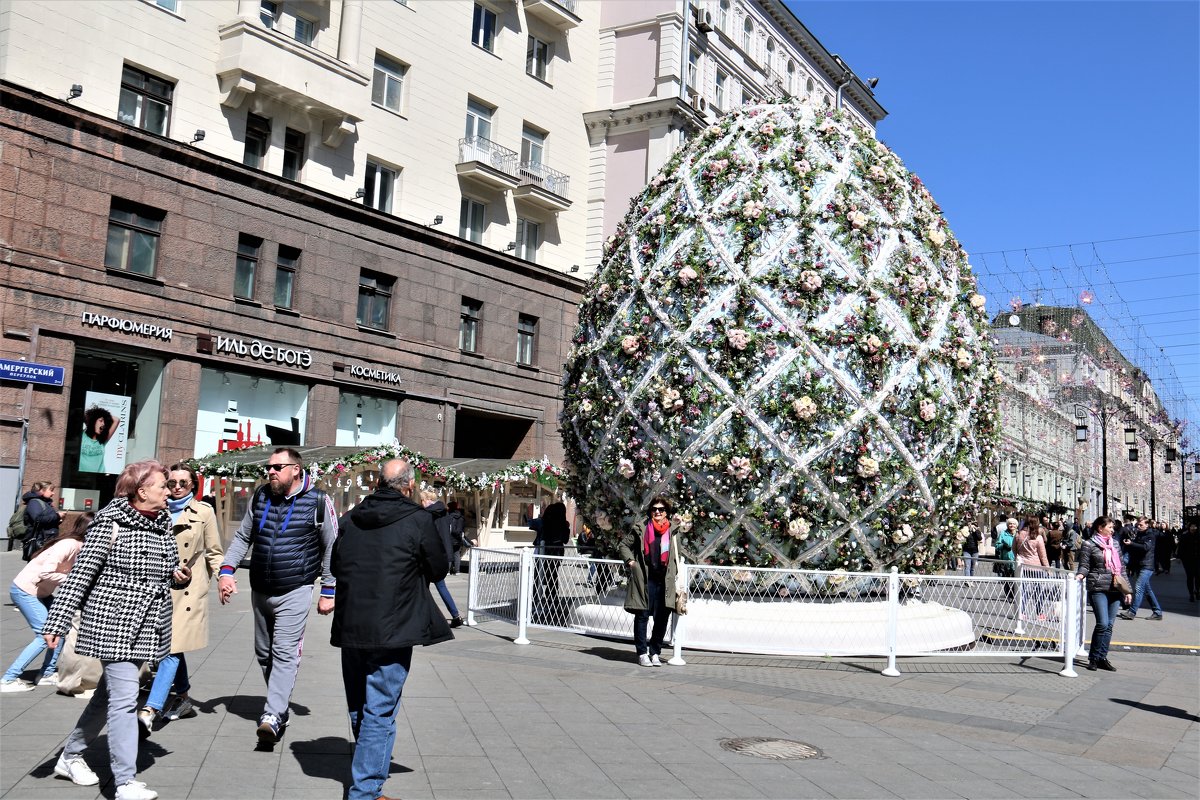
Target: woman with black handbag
(1100, 565)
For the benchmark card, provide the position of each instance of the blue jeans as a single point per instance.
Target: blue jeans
(656, 597)
(374, 680)
(1142, 589)
(1105, 608)
(970, 560)
(34, 609)
(171, 673)
(446, 598)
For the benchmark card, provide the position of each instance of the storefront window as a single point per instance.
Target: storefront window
(364, 420)
(239, 408)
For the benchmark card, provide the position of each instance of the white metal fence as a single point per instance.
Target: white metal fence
(795, 612)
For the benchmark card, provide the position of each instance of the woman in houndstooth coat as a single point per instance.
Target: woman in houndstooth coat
(122, 583)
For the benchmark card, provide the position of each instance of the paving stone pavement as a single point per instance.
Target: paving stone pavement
(572, 717)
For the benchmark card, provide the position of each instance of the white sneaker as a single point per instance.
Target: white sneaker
(75, 770)
(644, 660)
(655, 661)
(16, 685)
(135, 790)
(49, 680)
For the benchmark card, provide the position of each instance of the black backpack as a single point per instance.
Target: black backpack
(35, 536)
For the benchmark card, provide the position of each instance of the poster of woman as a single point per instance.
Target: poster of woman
(103, 448)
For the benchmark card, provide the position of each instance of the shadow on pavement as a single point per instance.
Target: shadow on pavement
(245, 706)
(1166, 711)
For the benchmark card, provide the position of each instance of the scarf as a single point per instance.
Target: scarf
(1112, 558)
(122, 512)
(176, 507)
(664, 538)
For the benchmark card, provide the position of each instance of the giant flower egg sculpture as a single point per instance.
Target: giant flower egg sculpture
(784, 338)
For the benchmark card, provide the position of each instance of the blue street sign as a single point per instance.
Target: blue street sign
(28, 372)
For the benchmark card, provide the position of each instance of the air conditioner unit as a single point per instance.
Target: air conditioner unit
(699, 103)
(704, 22)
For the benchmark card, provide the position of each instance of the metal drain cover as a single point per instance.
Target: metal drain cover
(778, 749)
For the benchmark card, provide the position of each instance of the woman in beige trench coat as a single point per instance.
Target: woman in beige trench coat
(199, 542)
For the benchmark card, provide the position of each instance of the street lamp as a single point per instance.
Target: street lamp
(1081, 436)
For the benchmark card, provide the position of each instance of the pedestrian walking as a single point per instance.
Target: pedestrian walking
(1029, 546)
(121, 582)
(1189, 557)
(41, 520)
(970, 549)
(31, 593)
(292, 527)
(441, 522)
(386, 541)
(1100, 566)
(1140, 549)
(198, 540)
(555, 533)
(651, 589)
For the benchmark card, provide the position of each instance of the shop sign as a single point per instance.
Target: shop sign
(29, 372)
(137, 328)
(273, 353)
(373, 374)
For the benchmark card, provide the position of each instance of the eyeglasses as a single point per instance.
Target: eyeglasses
(658, 510)
(277, 467)
(182, 484)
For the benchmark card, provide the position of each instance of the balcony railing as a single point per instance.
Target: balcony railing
(559, 13)
(538, 174)
(485, 151)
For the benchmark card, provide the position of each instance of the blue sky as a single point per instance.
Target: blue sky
(1037, 124)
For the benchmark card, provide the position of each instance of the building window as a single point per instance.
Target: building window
(808, 86)
(537, 58)
(293, 154)
(380, 184)
(472, 219)
(374, 299)
(533, 145)
(529, 236)
(388, 83)
(246, 266)
(723, 15)
(791, 77)
(258, 139)
(268, 13)
(747, 35)
(133, 233)
(483, 28)
(145, 100)
(770, 54)
(719, 96)
(286, 267)
(479, 120)
(526, 339)
(468, 325)
(305, 31)
(747, 98)
(169, 5)
(693, 68)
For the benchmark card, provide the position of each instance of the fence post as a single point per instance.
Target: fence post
(679, 624)
(524, 594)
(472, 584)
(1019, 587)
(893, 621)
(1070, 636)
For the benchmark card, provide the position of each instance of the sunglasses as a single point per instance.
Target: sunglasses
(182, 484)
(277, 467)
(658, 510)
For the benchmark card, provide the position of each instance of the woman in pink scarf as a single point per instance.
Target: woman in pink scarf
(1099, 563)
(649, 553)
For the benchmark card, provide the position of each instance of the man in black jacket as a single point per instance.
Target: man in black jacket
(1140, 548)
(386, 557)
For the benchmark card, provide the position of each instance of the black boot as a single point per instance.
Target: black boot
(1105, 665)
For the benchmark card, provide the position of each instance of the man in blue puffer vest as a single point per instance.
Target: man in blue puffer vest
(292, 526)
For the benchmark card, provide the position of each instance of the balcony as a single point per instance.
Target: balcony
(543, 187)
(557, 13)
(487, 163)
(258, 60)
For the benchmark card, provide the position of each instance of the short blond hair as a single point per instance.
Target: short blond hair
(428, 494)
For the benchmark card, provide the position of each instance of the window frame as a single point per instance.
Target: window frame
(390, 71)
(532, 61)
(294, 158)
(311, 25)
(146, 222)
(466, 212)
(482, 115)
(145, 94)
(286, 264)
(693, 77)
(378, 287)
(373, 187)
(533, 142)
(481, 36)
(246, 257)
(719, 91)
(524, 250)
(723, 15)
(264, 129)
(527, 326)
(748, 35)
(268, 13)
(470, 318)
